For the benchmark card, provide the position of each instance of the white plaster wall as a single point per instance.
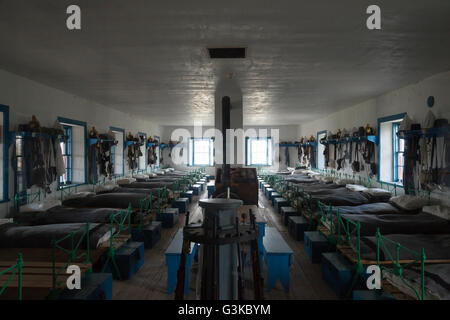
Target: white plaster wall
(411, 99)
(26, 97)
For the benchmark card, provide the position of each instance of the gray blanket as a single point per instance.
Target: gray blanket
(61, 214)
(436, 246)
(341, 197)
(16, 236)
(370, 208)
(107, 200)
(399, 223)
(148, 185)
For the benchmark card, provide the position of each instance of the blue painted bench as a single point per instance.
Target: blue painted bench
(182, 204)
(297, 225)
(315, 245)
(168, 217)
(278, 258)
(187, 194)
(287, 212)
(278, 203)
(94, 286)
(173, 258)
(264, 187)
(210, 188)
(150, 234)
(338, 272)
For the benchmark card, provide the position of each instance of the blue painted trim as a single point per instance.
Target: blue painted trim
(81, 124)
(380, 121)
(317, 149)
(124, 145)
(6, 142)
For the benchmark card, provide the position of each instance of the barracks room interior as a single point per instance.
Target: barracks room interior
(238, 150)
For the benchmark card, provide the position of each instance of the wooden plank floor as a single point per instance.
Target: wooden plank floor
(150, 282)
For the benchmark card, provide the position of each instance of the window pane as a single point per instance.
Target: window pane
(201, 152)
(259, 150)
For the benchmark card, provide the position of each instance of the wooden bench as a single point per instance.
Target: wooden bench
(268, 192)
(129, 258)
(338, 272)
(278, 258)
(273, 195)
(173, 258)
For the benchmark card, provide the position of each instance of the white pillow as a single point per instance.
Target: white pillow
(344, 182)
(409, 202)
(106, 187)
(77, 195)
(438, 210)
(141, 176)
(377, 192)
(326, 179)
(40, 206)
(125, 181)
(355, 187)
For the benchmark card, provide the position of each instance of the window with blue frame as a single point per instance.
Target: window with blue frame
(399, 149)
(201, 152)
(391, 150)
(66, 150)
(259, 151)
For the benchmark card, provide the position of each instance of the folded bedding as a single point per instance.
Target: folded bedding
(399, 223)
(17, 236)
(341, 197)
(63, 214)
(107, 200)
(436, 246)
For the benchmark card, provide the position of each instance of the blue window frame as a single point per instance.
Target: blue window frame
(201, 152)
(66, 150)
(390, 150)
(259, 151)
(398, 152)
(68, 125)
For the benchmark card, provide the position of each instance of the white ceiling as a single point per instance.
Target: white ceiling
(305, 58)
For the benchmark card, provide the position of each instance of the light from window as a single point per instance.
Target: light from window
(201, 152)
(66, 150)
(399, 149)
(259, 151)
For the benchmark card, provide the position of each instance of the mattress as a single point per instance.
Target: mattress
(370, 208)
(436, 246)
(149, 185)
(341, 197)
(399, 223)
(61, 214)
(107, 200)
(17, 236)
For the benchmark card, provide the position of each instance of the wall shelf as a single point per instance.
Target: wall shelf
(424, 133)
(344, 140)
